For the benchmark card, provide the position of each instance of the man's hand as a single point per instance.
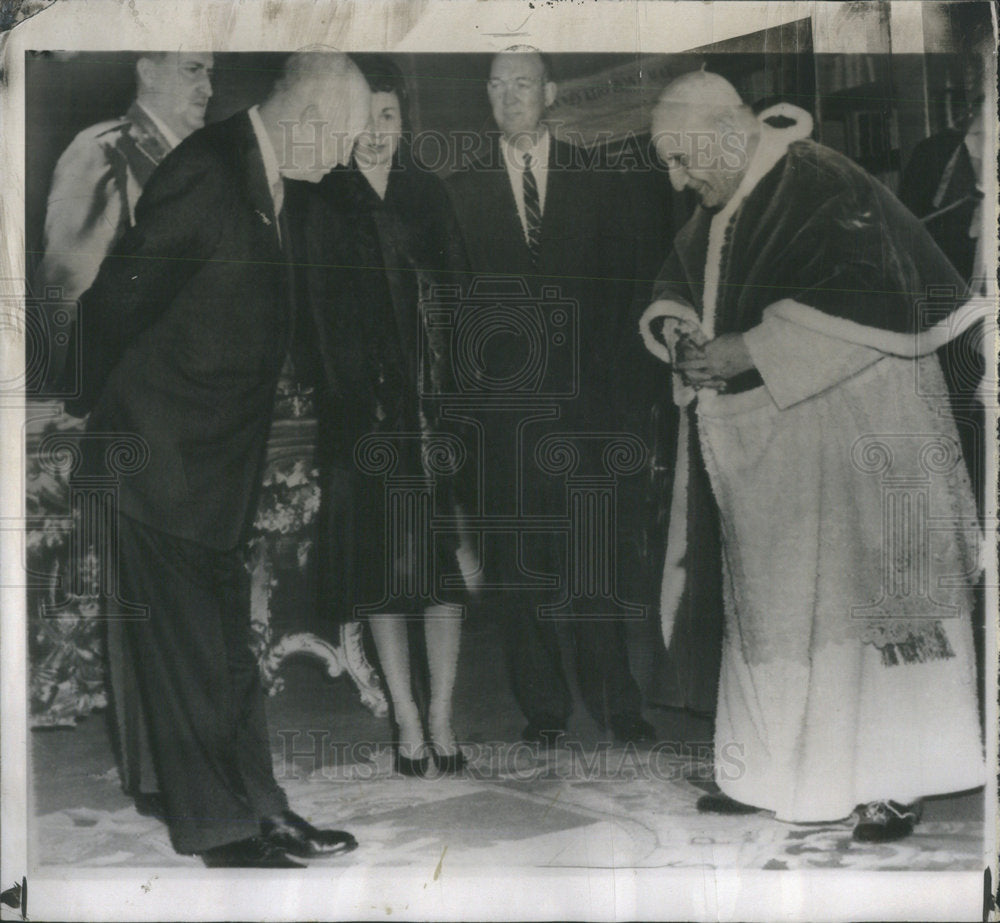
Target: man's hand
(711, 365)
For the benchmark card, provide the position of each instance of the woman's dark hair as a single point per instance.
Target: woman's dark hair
(384, 76)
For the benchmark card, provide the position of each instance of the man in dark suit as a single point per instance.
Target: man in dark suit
(533, 209)
(186, 329)
(95, 186)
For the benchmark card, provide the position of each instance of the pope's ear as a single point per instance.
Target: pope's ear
(551, 91)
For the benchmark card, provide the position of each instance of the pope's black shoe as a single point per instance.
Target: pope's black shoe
(295, 835)
(718, 803)
(885, 821)
(252, 853)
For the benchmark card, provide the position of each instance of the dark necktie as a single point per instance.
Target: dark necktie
(532, 210)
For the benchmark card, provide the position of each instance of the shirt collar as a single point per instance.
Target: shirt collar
(539, 152)
(267, 152)
(161, 126)
(974, 147)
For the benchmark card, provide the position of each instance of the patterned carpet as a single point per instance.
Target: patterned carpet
(575, 808)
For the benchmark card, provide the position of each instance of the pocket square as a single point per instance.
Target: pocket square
(263, 217)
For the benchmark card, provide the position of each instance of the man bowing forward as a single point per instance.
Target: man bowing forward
(186, 329)
(792, 305)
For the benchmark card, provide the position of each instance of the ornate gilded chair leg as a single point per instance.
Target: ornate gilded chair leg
(360, 670)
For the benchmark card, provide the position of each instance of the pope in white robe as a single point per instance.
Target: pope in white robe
(800, 309)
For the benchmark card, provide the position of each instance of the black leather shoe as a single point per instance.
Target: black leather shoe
(723, 804)
(252, 853)
(295, 835)
(544, 730)
(885, 821)
(150, 804)
(632, 729)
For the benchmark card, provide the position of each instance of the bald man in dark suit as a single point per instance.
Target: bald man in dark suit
(186, 329)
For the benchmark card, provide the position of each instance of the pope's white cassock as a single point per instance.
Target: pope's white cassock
(849, 527)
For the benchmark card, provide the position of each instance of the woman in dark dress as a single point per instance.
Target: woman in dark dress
(378, 236)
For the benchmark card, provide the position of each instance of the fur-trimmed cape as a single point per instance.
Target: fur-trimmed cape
(810, 237)
(821, 242)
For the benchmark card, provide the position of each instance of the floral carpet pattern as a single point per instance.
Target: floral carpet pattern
(618, 808)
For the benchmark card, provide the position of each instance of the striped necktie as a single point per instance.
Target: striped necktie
(532, 210)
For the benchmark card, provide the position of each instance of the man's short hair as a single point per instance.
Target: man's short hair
(548, 72)
(156, 57)
(312, 65)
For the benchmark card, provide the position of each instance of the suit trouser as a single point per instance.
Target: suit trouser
(605, 681)
(134, 754)
(199, 686)
(535, 661)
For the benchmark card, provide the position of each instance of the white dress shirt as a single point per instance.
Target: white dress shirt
(271, 168)
(514, 160)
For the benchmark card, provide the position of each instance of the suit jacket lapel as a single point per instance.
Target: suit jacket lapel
(501, 207)
(256, 178)
(262, 202)
(288, 259)
(558, 199)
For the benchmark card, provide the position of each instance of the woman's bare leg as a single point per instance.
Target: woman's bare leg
(393, 647)
(443, 631)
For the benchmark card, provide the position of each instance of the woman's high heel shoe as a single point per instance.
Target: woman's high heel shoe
(410, 766)
(449, 764)
(416, 768)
